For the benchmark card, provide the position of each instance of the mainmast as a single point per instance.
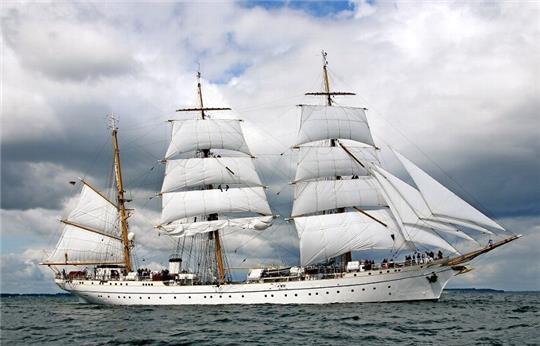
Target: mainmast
(206, 152)
(120, 196)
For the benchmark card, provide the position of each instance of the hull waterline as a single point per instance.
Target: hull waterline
(387, 285)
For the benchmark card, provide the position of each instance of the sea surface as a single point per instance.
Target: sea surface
(459, 318)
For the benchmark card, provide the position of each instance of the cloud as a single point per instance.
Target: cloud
(58, 45)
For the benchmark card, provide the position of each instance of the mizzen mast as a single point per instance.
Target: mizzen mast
(124, 215)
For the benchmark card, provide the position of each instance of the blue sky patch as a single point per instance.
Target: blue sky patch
(314, 8)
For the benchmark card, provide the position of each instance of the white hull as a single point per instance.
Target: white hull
(386, 285)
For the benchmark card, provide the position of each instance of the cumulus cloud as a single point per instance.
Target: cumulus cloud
(453, 85)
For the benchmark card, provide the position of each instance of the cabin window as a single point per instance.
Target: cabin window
(337, 292)
(352, 290)
(242, 296)
(389, 286)
(296, 295)
(363, 289)
(174, 297)
(230, 296)
(309, 294)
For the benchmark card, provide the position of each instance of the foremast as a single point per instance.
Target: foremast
(124, 215)
(346, 257)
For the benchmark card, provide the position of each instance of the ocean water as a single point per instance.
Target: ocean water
(459, 318)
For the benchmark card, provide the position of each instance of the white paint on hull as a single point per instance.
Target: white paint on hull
(375, 286)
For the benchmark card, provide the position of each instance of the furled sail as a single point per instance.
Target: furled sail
(323, 161)
(316, 196)
(325, 122)
(202, 134)
(91, 234)
(182, 204)
(184, 173)
(443, 202)
(186, 228)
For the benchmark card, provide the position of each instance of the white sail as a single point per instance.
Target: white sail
(323, 161)
(316, 196)
(421, 236)
(77, 245)
(206, 171)
(182, 204)
(326, 236)
(326, 122)
(409, 205)
(201, 134)
(94, 211)
(186, 229)
(443, 202)
(91, 232)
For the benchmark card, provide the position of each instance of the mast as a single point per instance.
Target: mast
(214, 234)
(120, 195)
(346, 257)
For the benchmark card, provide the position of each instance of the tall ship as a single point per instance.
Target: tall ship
(347, 211)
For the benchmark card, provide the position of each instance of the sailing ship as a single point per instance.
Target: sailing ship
(345, 205)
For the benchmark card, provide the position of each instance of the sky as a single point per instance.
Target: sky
(452, 85)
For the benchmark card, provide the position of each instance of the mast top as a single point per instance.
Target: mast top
(201, 107)
(327, 92)
(113, 122)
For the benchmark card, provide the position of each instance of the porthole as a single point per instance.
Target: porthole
(374, 288)
(389, 286)
(380, 272)
(316, 293)
(286, 294)
(210, 297)
(369, 273)
(189, 297)
(174, 297)
(230, 296)
(118, 297)
(115, 283)
(296, 294)
(309, 294)
(242, 296)
(204, 297)
(363, 289)
(265, 295)
(389, 293)
(352, 290)
(220, 296)
(337, 292)
(354, 274)
(388, 271)
(148, 297)
(272, 295)
(327, 292)
(108, 296)
(140, 297)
